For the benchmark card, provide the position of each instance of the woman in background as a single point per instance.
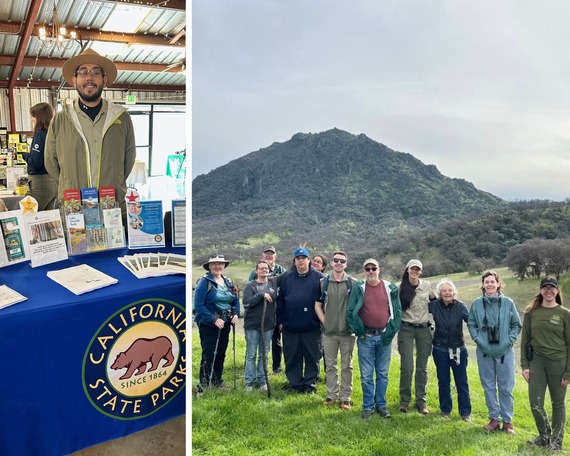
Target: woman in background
(320, 262)
(449, 350)
(41, 185)
(546, 326)
(415, 294)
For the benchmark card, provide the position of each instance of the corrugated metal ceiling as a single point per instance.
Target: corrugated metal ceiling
(140, 67)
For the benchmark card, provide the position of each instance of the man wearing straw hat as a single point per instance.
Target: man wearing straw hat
(91, 141)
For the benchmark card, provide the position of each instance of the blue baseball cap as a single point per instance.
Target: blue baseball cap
(302, 251)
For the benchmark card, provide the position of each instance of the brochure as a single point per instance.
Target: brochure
(45, 233)
(144, 265)
(13, 249)
(9, 296)
(90, 203)
(178, 223)
(81, 279)
(145, 224)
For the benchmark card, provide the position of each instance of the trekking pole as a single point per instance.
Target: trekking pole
(214, 359)
(234, 348)
(263, 352)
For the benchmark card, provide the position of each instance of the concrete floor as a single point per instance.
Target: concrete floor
(166, 439)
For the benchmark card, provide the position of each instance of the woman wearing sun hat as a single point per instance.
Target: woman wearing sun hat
(416, 329)
(217, 306)
(545, 361)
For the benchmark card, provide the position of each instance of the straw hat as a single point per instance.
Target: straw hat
(92, 57)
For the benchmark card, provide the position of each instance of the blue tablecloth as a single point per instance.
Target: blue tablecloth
(63, 383)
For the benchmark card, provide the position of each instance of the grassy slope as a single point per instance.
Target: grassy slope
(236, 423)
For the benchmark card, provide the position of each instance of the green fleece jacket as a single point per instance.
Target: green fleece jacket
(356, 301)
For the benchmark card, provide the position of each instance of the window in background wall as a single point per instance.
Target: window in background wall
(169, 137)
(160, 132)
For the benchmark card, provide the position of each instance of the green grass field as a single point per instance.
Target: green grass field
(240, 423)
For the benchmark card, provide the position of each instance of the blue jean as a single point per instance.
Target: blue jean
(443, 363)
(254, 370)
(373, 356)
(498, 376)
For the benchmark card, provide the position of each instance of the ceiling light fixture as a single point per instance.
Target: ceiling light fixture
(56, 35)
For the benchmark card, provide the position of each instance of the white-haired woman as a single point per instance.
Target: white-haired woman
(449, 350)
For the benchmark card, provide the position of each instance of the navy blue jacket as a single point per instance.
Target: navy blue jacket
(448, 321)
(205, 301)
(296, 300)
(35, 158)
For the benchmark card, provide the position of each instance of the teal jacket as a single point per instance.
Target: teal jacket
(502, 312)
(355, 302)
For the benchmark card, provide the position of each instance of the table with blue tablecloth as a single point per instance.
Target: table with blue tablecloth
(81, 370)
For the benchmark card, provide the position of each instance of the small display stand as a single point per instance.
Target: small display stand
(93, 220)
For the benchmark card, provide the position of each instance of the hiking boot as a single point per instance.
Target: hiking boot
(277, 370)
(423, 410)
(329, 401)
(541, 440)
(384, 413)
(445, 415)
(466, 418)
(492, 425)
(508, 428)
(555, 445)
(345, 405)
(404, 408)
(366, 414)
(263, 387)
(248, 389)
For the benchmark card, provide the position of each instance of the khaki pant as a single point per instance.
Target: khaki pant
(422, 337)
(332, 346)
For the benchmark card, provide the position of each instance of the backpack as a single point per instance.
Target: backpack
(350, 281)
(227, 280)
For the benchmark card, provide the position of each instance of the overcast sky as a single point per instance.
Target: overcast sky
(481, 89)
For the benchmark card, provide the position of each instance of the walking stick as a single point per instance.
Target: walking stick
(263, 352)
(214, 359)
(234, 348)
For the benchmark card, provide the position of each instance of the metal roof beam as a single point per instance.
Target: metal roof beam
(100, 35)
(135, 87)
(49, 62)
(177, 5)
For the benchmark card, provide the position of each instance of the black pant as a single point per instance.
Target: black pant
(208, 337)
(276, 348)
(301, 352)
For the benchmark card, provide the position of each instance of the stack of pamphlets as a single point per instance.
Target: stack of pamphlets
(81, 279)
(144, 265)
(9, 296)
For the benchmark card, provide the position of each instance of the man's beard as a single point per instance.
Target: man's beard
(89, 98)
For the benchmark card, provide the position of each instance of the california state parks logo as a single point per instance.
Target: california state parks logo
(136, 362)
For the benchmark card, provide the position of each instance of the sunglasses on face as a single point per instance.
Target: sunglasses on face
(371, 269)
(339, 260)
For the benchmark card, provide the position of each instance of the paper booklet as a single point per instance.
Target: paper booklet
(9, 296)
(81, 279)
(45, 233)
(144, 265)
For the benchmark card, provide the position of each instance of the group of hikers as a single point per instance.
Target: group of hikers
(307, 314)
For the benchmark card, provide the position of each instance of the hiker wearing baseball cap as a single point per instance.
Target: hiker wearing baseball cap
(545, 344)
(91, 141)
(299, 289)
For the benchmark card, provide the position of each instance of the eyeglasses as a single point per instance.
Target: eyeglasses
(371, 269)
(94, 72)
(339, 260)
(263, 269)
